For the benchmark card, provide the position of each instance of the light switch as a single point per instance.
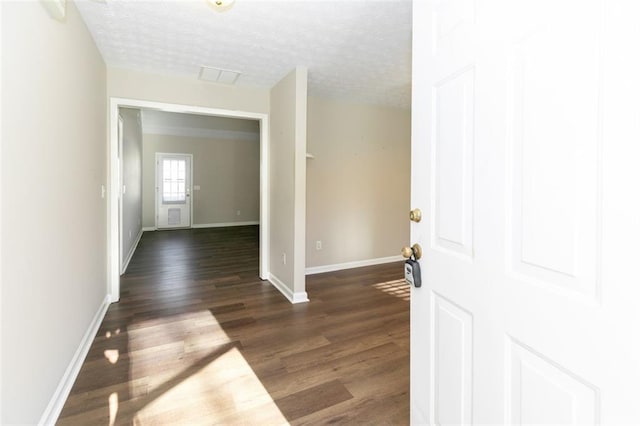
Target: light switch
(196, 187)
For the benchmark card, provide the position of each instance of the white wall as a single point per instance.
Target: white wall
(132, 180)
(186, 91)
(287, 167)
(358, 184)
(227, 171)
(54, 112)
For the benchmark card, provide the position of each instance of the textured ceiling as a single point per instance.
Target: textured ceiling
(358, 50)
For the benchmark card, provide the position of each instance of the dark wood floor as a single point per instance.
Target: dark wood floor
(198, 338)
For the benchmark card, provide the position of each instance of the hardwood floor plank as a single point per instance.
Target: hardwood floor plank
(198, 338)
(308, 359)
(392, 410)
(313, 399)
(348, 368)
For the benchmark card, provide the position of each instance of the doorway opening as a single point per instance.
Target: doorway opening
(116, 187)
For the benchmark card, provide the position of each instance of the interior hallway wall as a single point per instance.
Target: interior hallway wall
(54, 126)
(288, 183)
(358, 183)
(132, 180)
(186, 91)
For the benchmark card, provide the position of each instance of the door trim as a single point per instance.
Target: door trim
(120, 136)
(190, 187)
(113, 176)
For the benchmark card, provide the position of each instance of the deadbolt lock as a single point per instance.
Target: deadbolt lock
(415, 215)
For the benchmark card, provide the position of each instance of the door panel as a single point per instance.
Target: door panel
(541, 392)
(173, 191)
(554, 144)
(525, 117)
(453, 163)
(452, 372)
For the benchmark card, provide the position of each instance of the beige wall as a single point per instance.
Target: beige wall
(54, 112)
(185, 91)
(358, 184)
(132, 180)
(228, 172)
(287, 181)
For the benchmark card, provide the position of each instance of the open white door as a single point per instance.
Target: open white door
(173, 191)
(526, 127)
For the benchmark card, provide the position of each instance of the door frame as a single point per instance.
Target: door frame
(121, 254)
(189, 187)
(114, 175)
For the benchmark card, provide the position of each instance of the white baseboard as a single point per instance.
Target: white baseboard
(224, 224)
(348, 265)
(130, 255)
(54, 408)
(211, 225)
(299, 297)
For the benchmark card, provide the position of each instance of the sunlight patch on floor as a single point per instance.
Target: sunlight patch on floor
(112, 355)
(225, 391)
(108, 334)
(396, 288)
(113, 408)
(192, 373)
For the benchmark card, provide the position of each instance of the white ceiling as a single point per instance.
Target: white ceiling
(357, 50)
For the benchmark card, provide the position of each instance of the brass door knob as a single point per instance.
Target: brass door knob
(413, 250)
(415, 215)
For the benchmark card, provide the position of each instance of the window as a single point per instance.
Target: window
(174, 181)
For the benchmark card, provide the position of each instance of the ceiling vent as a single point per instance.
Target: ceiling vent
(217, 75)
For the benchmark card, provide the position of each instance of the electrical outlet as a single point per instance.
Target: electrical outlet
(129, 233)
(284, 258)
(237, 212)
(318, 245)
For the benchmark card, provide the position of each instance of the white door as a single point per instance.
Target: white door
(526, 128)
(173, 191)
